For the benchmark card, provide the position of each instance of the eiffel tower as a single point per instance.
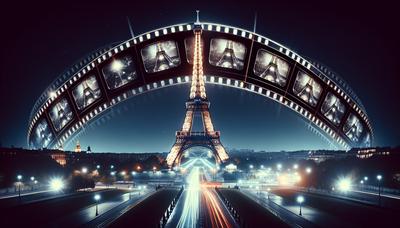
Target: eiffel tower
(197, 105)
(163, 61)
(88, 94)
(228, 58)
(271, 71)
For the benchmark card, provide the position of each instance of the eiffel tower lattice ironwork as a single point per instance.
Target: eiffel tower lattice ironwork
(197, 105)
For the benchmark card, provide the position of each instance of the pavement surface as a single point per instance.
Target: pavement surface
(251, 213)
(148, 212)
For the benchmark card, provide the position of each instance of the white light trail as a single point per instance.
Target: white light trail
(190, 213)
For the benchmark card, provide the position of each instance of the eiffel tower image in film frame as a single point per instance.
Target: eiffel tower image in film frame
(197, 105)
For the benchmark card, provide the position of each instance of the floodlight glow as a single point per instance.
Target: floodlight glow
(98, 167)
(308, 170)
(300, 199)
(84, 170)
(133, 173)
(32, 178)
(19, 177)
(56, 184)
(97, 197)
(344, 184)
(117, 66)
(251, 166)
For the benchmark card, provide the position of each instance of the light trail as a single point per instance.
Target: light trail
(190, 214)
(214, 208)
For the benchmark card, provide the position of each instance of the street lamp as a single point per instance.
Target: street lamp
(56, 184)
(295, 166)
(268, 190)
(300, 200)
(140, 188)
(130, 192)
(365, 178)
(251, 166)
(97, 197)
(97, 166)
(279, 166)
(308, 171)
(19, 177)
(84, 170)
(379, 177)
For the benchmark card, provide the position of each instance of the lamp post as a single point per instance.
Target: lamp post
(268, 190)
(19, 177)
(97, 198)
(300, 200)
(32, 181)
(379, 177)
(308, 171)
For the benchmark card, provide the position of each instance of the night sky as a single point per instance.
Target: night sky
(359, 41)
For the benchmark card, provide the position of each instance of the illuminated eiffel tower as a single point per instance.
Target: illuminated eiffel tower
(271, 71)
(163, 61)
(228, 58)
(88, 94)
(197, 106)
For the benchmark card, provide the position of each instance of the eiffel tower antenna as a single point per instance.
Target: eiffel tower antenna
(197, 17)
(130, 27)
(197, 106)
(255, 22)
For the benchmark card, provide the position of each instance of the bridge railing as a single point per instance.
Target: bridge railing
(231, 209)
(167, 213)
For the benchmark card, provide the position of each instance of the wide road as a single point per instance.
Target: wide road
(345, 213)
(149, 211)
(41, 213)
(251, 213)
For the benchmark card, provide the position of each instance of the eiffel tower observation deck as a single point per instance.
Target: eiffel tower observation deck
(197, 106)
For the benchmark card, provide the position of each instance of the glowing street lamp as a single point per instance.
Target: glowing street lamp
(268, 190)
(97, 198)
(32, 178)
(300, 200)
(365, 178)
(279, 166)
(295, 166)
(112, 166)
(308, 170)
(19, 178)
(251, 166)
(344, 184)
(84, 170)
(56, 184)
(379, 178)
(97, 166)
